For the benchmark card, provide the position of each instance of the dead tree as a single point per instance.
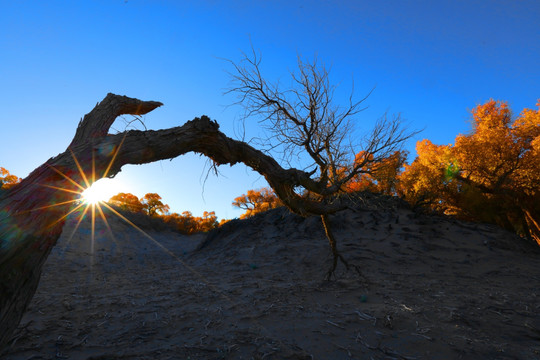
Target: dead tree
(32, 213)
(304, 122)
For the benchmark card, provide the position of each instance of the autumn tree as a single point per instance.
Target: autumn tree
(7, 180)
(127, 201)
(490, 175)
(177, 221)
(378, 176)
(186, 222)
(153, 206)
(223, 222)
(204, 223)
(207, 222)
(304, 122)
(257, 201)
(189, 224)
(182, 223)
(427, 181)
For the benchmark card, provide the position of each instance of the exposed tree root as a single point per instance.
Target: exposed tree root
(335, 253)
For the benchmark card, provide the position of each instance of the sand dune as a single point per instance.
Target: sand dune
(430, 288)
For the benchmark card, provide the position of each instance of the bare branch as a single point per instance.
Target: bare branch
(303, 119)
(108, 110)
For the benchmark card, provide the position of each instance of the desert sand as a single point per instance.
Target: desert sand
(429, 287)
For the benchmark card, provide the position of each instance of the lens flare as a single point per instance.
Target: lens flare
(101, 191)
(92, 196)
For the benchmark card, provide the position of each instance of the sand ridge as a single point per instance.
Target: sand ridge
(431, 288)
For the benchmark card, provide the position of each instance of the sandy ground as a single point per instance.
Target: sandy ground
(430, 288)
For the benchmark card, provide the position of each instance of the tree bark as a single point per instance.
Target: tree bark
(32, 213)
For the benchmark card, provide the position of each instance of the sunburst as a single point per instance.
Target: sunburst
(91, 201)
(88, 198)
(88, 203)
(94, 194)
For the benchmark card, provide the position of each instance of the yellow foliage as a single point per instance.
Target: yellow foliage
(189, 224)
(7, 180)
(127, 201)
(257, 201)
(376, 176)
(152, 205)
(491, 174)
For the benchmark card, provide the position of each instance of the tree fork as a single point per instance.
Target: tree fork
(32, 213)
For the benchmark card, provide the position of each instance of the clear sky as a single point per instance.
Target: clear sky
(432, 61)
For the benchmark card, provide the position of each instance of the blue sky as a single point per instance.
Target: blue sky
(430, 61)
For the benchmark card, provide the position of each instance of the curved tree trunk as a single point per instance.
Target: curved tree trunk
(32, 214)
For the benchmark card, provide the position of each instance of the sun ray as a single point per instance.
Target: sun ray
(129, 222)
(93, 167)
(93, 238)
(61, 189)
(91, 207)
(116, 151)
(82, 189)
(106, 222)
(191, 269)
(83, 175)
(53, 205)
(81, 217)
(67, 177)
(66, 215)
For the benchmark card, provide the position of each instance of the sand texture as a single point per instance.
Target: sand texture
(430, 288)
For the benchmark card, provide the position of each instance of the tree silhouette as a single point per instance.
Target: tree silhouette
(304, 122)
(490, 175)
(33, 212)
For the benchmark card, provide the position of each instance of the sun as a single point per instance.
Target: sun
(91, 196)
(100, 191)
(93, 199)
